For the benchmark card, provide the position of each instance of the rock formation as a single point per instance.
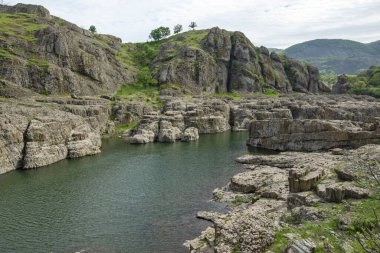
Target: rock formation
(52, 56)
(267, 199)
(37, 133)
(223, 61)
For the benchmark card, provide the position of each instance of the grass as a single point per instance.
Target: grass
(271, 92)
(6, 54)
(20, 25)
(120, 128)
(44, 65)
(137, 89)
(363, 215)
(135, 56)
(139, 93)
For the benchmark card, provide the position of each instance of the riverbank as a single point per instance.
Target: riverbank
(298, 202)
(38, 131)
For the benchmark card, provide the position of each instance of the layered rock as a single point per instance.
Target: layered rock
(255, 214)
(324, 123)
(41, 131)
(284, 134)
(183, 120)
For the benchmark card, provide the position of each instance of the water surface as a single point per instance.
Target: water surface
(129, 198)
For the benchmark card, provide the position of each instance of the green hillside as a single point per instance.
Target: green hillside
(339, 56)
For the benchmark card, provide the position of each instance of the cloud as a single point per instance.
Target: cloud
(273, 23)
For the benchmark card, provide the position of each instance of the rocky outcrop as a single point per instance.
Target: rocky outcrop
(224, 61)
(342, 85)
(183, 120)
(255, 213)
(325, 123)
(53, 56)
(309, 135)
(190, 134)
(42, 131)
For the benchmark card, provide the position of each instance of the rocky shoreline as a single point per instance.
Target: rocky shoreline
(288, 192)
(42, 130)
(266, 200)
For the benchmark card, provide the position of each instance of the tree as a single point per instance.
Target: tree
(177, 29)
(193, 25)
(159, 33)
(92, 29)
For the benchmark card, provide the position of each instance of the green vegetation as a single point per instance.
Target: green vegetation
(120, 128)
(339, 56)
(139, 93)
(159, 33)
(177, 29)
(138, 57)
(19, 25)
(92, 29)
(6, 54)
(351, 226)
(144, 77)
(270, 92)
(236, 248)
(193, 25)
(366, 83)
(44, 65)
(338, 238)
(328, 76)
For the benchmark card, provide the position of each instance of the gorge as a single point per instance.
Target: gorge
(68, 93)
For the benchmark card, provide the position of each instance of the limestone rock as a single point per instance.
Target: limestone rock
(301, 246)
(338, 191)
(269, 182)
(310, 135)
(301, 180)
(190, 134)
(168, 133)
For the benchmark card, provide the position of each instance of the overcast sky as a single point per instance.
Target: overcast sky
(272, 23)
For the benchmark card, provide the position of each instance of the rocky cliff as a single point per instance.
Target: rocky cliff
(52, 56)
(41, 131)
(217, 61)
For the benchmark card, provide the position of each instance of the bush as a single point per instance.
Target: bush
(145, 78)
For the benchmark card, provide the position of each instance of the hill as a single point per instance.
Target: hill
(48, 55)
(339, 56)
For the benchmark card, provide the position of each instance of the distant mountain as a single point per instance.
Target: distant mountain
(340, 56)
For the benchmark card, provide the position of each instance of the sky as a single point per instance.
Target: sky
(272, 23)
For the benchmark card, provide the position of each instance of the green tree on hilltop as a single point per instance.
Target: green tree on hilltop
(159, 33)
(193, 25)
(92, 29)
(177, 29)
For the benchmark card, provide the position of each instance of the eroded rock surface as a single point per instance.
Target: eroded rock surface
(278, 189)
(41, 131)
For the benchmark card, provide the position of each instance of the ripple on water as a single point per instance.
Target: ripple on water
(126, 199)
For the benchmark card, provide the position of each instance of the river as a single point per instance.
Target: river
(129, 198)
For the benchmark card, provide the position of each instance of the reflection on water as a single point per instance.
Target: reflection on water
(129, 198)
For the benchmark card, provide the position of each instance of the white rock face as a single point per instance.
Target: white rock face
(49, 131)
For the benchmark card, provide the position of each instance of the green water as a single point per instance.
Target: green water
(129, 198)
